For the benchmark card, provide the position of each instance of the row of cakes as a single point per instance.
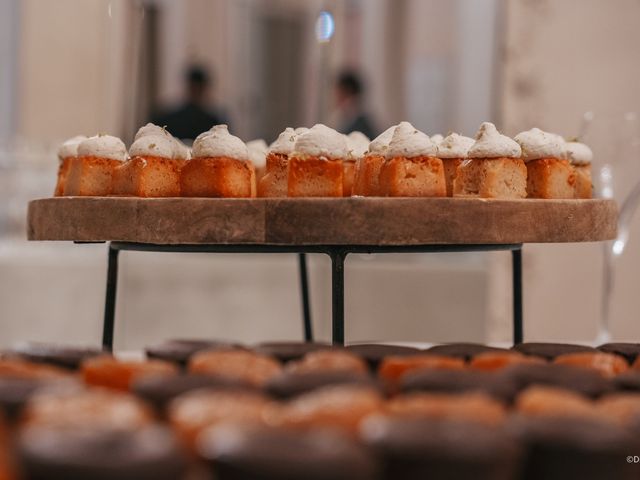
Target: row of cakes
(320, 162)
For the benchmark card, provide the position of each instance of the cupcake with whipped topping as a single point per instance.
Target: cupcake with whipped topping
(580, 157)
(366, 180)
(494, 168)
(154, 167)
(453, 150)
(67, 152)
(274, 181)
(258, 155)
(91, 172)
(315, 165)
(358, 144)
(411, 168)
(219, 167)
(549, 174)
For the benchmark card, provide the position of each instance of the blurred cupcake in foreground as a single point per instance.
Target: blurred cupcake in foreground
(549, 174)
(358, 144)
(67, 152)
(155, 165)
(453, 150)
(411, 168)
(580, 157)
(494, 168)
(219, 167)
(91, 173)
(366, 180)
(274, 182)
(315, 165)
(258, 155)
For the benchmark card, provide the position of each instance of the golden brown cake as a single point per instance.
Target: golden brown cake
(315, 166)
(329, 361)
(91, 172)
(67, 152)
(274, 183)
(393, 368)
(494, 168)
(366, 181)
(358, 144)
(549, 174)
(552, 401)
(580, 157)
(411, 168)
(220, 167)
(155, 165)
(607, 364)
(452, 150)
(490, 361)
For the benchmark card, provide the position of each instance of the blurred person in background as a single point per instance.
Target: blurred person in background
(196, 115)
(350, 111)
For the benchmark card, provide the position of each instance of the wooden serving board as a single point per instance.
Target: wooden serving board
(321, 221)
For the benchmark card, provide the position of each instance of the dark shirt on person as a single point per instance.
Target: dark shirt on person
(189, 120)
(360, 123)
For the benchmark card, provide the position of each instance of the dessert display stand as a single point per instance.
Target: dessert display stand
(336, 227)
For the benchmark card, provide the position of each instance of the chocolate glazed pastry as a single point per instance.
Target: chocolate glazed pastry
(291, 384)
(149, 453)
(159, 391)
(629, 351)
(550, 350)
(431, 449)
(459, 381)
(69, 357)
(628, 381)
(558, 448)
(581, 380)
(179, 351)
(287, 351)
(261, 453)
(374, 353)
(466, 351)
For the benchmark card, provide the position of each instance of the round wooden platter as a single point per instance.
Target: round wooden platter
(321, 221)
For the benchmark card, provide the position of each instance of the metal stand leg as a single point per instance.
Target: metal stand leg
(110, 300)
(304, 293)
(516, 258)
(337, 295)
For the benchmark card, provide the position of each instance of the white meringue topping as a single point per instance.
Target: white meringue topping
(358, 144)
(258, 152)
(408, 142)
(455, 146)
(218, 142)
(437, 138)
(285, 142)
(103, 146)
(154, 141)
(492, 144)
(321, 141)
(578, 153)
(536, 144)
(379, 145)
(70, 147)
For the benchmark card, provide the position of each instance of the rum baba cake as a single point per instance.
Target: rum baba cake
(67, 152)
(411, 168)
(358, 144)
(219, 167)
(91, 172)
(154, 167)
(580, 157)
(316, 164)
(549, 174)
(274, 183)
(494, 168)
(366, 181)
(453, 150)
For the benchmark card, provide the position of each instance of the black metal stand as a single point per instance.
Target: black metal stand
(338, 255)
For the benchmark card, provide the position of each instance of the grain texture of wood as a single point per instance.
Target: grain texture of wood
(321, 221)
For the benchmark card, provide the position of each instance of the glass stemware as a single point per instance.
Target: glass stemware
(615, 139)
